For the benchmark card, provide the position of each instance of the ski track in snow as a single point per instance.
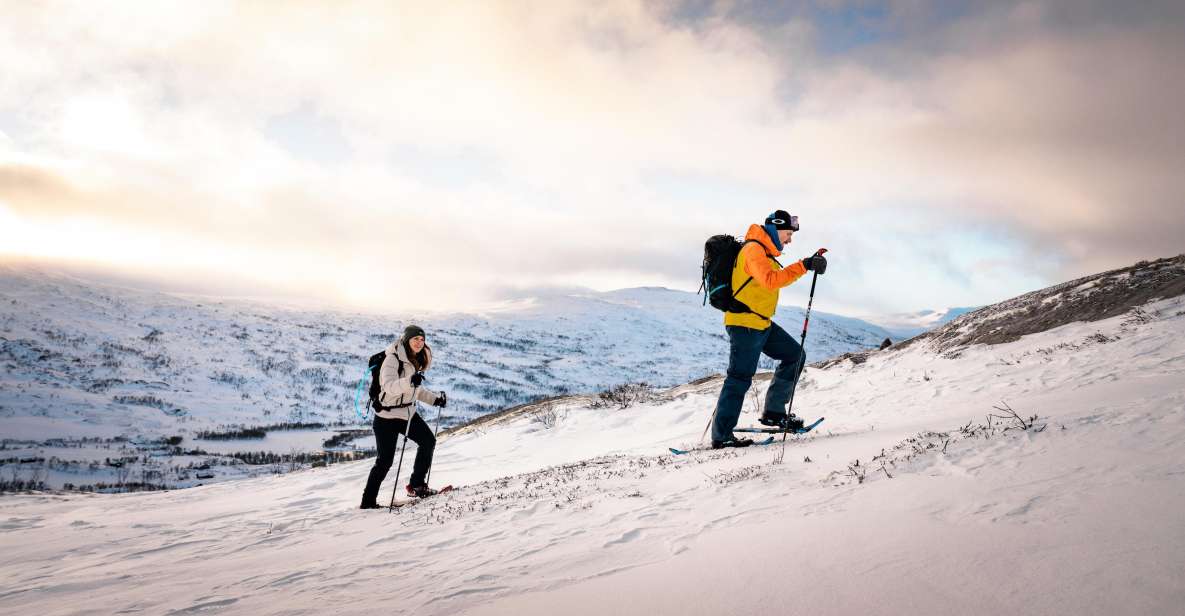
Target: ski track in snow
(592, 517)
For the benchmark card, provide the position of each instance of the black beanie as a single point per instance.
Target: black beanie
(411, 331)
(783, 221)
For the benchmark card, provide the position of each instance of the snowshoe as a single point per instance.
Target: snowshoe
(775, 430)
(769, 440)
(420, 491)
(732, 442)
(425, 491)
(785, 423)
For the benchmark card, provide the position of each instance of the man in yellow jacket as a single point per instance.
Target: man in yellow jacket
(758, 276)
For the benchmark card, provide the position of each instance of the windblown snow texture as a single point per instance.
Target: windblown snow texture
(922, 494)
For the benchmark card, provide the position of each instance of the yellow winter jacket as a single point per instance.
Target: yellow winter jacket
(756, 261)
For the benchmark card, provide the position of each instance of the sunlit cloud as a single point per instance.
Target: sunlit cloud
(432, 156)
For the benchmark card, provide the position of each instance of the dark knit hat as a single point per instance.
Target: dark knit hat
(783, 221)
(411, 331)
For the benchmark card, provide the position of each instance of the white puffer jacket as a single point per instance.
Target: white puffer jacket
(397, 390)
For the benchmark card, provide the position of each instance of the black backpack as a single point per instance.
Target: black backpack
(376, 388)
(720, 257)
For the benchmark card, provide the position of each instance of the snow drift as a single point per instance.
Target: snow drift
(920, 494)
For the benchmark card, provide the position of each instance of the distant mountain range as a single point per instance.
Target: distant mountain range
(80, 358)
(906, 325)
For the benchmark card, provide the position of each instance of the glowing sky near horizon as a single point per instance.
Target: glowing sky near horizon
(414, 155)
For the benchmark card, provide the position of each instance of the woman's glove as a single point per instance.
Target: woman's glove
(417, 379)
(441, 400)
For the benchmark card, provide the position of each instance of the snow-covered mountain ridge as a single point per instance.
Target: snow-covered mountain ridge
(1087, 299)
(154, 364)
(911, 498)
(1122, 291)
(903, 326)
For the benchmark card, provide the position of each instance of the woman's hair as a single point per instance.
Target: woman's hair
(419, 361)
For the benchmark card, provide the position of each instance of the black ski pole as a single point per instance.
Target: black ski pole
(711, 420)
(802, 344)
(435, 431)
(406, 431)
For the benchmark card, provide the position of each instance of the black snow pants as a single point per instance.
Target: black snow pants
(386, 433)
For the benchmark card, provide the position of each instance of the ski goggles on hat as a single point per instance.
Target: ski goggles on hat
(782, 222)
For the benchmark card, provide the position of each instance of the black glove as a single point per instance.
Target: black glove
(815, 262)
(441, 400)
(417, 379)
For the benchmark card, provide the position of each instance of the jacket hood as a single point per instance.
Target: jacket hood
(757, 232)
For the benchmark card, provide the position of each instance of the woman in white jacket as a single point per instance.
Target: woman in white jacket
(401, 379)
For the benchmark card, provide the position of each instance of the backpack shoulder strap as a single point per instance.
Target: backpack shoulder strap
(767, 255)
(377, 386)
(750, 279)
(395, 356)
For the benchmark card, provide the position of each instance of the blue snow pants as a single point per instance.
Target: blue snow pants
(745, 347)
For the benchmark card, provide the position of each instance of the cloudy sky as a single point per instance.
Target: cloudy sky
(443, 155)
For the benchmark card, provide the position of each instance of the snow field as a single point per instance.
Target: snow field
(592, 517)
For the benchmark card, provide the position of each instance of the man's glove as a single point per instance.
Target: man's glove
(441, 400)
(417, 379)
(815, 262)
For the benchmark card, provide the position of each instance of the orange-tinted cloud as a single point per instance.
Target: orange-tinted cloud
(1050, 124)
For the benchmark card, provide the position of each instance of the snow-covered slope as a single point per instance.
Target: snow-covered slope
(910, 499)
(1090, 298)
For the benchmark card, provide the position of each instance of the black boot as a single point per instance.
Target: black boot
(369, 504)
(789, 423)
(420, 491)
(732, 442)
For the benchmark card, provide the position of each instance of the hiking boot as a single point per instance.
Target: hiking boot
(789, 423)
(420, 491)
(732, 442)
(370, 505)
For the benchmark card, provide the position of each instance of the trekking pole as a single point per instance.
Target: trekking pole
(436, 430)
(406, 431)
(802, 344)
(711, 420)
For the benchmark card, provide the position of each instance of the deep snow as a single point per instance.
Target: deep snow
(1080, 514)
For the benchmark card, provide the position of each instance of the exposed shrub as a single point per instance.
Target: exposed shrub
(625, 395)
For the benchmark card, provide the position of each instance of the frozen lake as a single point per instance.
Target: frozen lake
(277, 441)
